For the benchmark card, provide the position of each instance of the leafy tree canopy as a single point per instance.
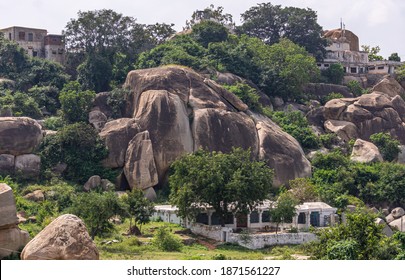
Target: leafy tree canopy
(284, 209)
(271, 22)
(210, 13)
(360, 238)
(75, 102)
(96, 209)
(139, 207)
(388, 147)
(228, 182)
(394, 57)
(372, 52)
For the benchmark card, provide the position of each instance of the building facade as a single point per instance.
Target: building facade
(344, 49)
(37, 42)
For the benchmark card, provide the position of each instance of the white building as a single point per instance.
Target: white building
(37, 42)
(317, 214)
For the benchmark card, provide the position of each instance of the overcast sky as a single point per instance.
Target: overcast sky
(375, 22)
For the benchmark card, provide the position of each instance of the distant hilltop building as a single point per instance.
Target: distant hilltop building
(344, 49)
(37, 42)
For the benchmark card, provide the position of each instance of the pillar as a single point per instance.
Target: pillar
(307, 220)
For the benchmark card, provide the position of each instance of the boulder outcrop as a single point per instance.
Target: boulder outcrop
(364, 151)
(173, 110)
(365, 115)
(19, 135)
(65, 238)
(12, 238)
(390, 86)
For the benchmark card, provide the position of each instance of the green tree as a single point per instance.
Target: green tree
(77, 145)
(208, 31)
(295, 124)
(289, 68)
(355, 88)
(166, 241)
(210, 13)
(139, 207)
(400, 73)
(388, 147)
(334, 73)
(270, 23)
(20, 104)
(228, 182)
(47, 97)
(302, 190)
(372, 52)
(359, 238)
(75, 102)
(247, 94)
(95, 73)
(394, 57)
(96, 209)
(284, 209)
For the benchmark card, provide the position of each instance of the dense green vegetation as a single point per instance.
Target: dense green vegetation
(274, 51)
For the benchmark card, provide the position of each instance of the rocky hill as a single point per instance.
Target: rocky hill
(171, 111)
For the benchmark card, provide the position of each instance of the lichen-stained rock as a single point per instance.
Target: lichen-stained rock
(66, 238)
(334, 108)
(92, 183)
(116, 135)
(140, 169)
(364, 151)
(11, 237)
(98, 119)
(399, 224)
(345, 130)
(28, 166)
(19, 135)
(390, 86)
(374, 101)
(6, 164)
(8, 209)
(397, 212)
(219, 130)
(36, 196)
(164, 116)
(280, 151)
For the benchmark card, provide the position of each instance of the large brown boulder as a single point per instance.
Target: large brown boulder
(140, 168)
(280, 151)
(172, 111)
(364, 151)
(368, 114)
(116, 135)
(6, 164)
(19, 135)
(66, 238)
(390, 86)
(28, 166)
(11, 237)
(219, 130)
(164, 116)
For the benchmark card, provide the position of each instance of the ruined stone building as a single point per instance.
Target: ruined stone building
(37, 42)
(344, 48)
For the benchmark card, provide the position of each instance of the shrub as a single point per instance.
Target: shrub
(77, 145)
(388, 147)
(295, 124)
(247, 94)
(330, 96)
(166, 241)
(355, 88)
(21, 104)
(334, 73)
(75, 102)
(54, 123)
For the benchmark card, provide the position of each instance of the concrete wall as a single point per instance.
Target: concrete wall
(257, 241)
(213, 232)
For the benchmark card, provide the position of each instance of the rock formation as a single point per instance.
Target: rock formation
(12, 238)
(19, 138)
(364, 151)
(172, 111)
(66, 238)
(365, 115)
